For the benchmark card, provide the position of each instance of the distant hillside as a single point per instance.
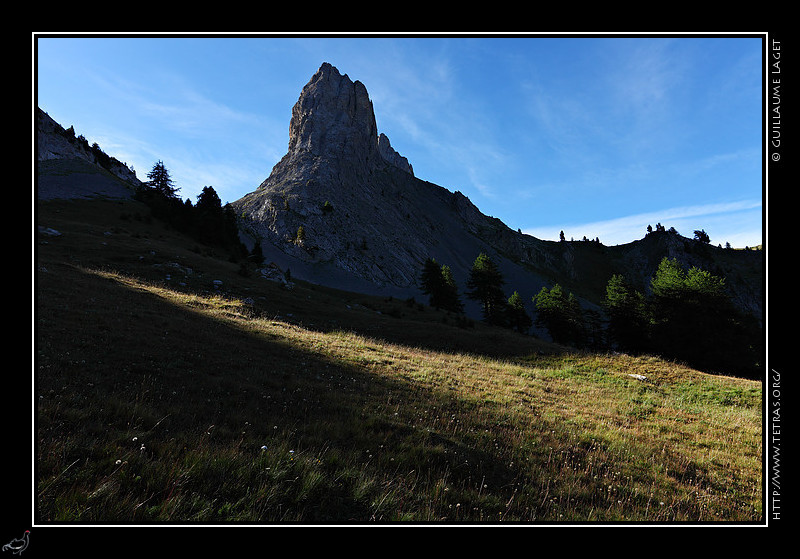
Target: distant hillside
(68, 167)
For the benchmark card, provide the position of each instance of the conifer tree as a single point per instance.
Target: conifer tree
(256, 255)
(560, 313)
(518, 317)
(450, 298)
(485, 285)
(627, 314)
(702, 236)
(694, 320)
(431, 282)
(440, 286)
(161, 181)
(689, 309)
(208, 200)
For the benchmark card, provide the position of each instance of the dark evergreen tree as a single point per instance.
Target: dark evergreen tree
(161, 181)
(694, 321)
(485, 284)
(208, 200)
(429, 277)
(437, 282)
(208, 222)
(702, 236)
(212, 223)
(627, 315)
(688, 316)
(450, 298)
(594, 330)
(517, 316)
(256, 255)
(431, 282)
(560, 313)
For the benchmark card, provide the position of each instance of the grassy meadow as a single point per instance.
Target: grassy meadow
(163, 397)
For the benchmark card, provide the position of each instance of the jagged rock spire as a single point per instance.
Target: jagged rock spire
(390, 155)
(344, 184)
(334, 119)
(333, 116)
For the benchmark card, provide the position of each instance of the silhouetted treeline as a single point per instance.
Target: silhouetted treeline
(686, 316)
(485, 285)
(207, 221)
(101, 158)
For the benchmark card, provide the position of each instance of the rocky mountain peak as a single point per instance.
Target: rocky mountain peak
(334, 120)
(355, 199)
(333, 115)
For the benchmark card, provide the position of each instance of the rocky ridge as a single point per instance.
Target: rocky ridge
(67, 167)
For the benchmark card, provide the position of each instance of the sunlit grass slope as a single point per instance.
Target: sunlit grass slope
(162, 398)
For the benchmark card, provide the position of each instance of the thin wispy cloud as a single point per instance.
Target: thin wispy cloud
(745, 157)
(195, 115)
(644, 76)
(213, 135)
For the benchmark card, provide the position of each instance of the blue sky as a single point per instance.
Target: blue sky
(597, 136)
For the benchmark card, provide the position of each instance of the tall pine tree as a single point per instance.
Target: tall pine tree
(485, 285)
(626, 309)
(438, 283)
(560, 313)
(450, 298)
(517, 316)
(692, 313)
(161, 181)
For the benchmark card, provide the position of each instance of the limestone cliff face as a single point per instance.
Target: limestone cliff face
(333, 117)
(333, 135)
(390, 155)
